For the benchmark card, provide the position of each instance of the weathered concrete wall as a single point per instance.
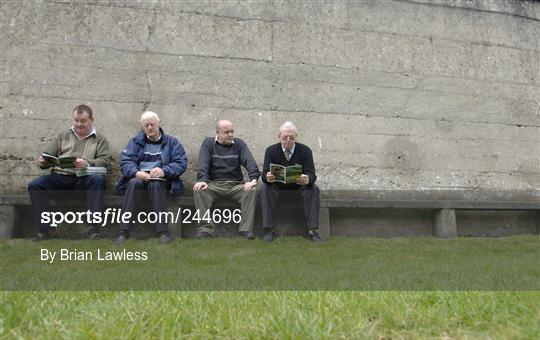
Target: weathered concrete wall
(389, 94)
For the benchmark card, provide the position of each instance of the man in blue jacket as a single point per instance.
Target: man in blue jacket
(152, 161)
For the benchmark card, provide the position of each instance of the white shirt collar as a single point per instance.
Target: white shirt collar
(93, 132)
(216, 141)
(292, 149)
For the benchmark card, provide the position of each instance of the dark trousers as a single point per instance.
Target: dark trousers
(41, 190)
(157, 191)
(270, 194)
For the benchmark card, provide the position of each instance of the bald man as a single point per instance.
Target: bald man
(220, 176)
(152, 162)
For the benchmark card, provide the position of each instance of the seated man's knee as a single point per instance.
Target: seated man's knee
(35, 184)
(255, 191)
(97, 181)
(135, 182)
(199, 193)
(265, 187)
(156, 185)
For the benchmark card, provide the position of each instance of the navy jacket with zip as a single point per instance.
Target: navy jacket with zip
(173, 158)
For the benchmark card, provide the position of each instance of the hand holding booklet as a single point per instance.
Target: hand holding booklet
(286, 175)
(61, 162)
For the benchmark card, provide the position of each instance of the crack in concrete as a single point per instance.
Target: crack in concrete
(484, 172)
(470, 8)
(369, 115)
(354, 30)
(284, 63)
(151, 29)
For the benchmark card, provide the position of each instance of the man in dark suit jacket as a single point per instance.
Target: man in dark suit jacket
(289, 152)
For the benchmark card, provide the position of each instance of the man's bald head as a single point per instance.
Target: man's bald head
(225, 131)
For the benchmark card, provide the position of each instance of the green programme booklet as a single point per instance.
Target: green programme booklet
(287, 174)
(61, 162)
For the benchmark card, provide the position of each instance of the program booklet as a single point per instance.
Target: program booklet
(61, 162)
(286, 175)
(91, 170)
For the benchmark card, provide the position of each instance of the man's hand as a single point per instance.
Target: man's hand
(249, 185)
(302, 180)
(80, 164)
(143, 175)
(270, 178)
(157, 172)
(200, 186)
(42, 162)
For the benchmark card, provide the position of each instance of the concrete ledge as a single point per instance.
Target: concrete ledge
(439, 212)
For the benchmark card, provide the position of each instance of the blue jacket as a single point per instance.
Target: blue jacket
(173, 158)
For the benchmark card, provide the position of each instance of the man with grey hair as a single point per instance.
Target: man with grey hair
(220, 176)
(153, 162)
(289, 152)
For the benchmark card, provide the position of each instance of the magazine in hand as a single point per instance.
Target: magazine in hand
(61, 162)
(286, 175)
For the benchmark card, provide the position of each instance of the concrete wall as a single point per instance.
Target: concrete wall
(389, 94)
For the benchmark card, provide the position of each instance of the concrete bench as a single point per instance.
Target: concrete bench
(443, 204)
(11, 202)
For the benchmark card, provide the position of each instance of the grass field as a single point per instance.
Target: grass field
(289, 315)
(509, 263)
(287, 289)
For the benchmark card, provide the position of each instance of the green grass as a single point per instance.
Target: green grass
(510, 263)
(253, 315)
(287, 289)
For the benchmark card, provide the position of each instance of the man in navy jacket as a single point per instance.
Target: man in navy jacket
(152, 161)
(286, 153)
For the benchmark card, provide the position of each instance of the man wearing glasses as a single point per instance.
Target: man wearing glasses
(288, 153)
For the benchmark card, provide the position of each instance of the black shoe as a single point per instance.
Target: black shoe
(204, 235)
(164, 237)
(41, 236)
(247, 235)
(314, 236)
(121, 238)
(93, 233)
(268, 235)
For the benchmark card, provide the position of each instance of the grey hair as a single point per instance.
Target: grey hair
(288, 125)
(219, 121)
(149, 114)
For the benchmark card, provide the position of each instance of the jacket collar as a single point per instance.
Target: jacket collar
(140, 137)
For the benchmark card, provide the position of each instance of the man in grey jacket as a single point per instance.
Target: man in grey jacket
(220, 176)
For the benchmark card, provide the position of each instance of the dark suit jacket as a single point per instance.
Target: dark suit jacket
(302, 155)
